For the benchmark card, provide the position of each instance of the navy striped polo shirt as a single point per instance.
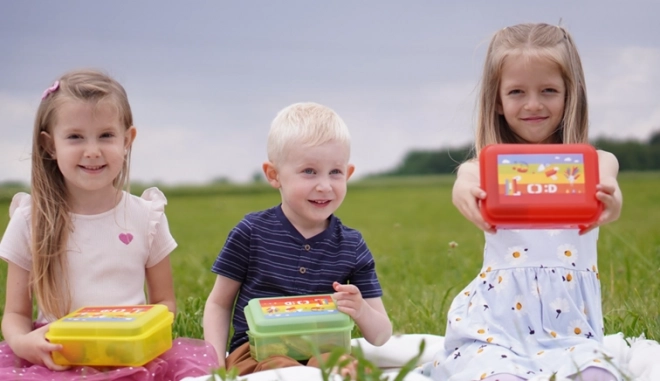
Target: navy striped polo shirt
(271, 258)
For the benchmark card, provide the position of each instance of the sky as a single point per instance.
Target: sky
(206, 78)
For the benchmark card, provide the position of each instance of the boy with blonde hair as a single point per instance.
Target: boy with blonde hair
(298, 247)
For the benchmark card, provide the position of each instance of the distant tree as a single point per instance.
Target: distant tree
(633, 155)
(13, 184)
(654, 149)
(258, 177)
(430, 162)
(221, 180)
(655, 138)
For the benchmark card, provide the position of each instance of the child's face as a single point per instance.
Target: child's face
(89, 143)
(531, 95)
(312, 181)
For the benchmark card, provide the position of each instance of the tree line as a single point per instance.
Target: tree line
(633, 155)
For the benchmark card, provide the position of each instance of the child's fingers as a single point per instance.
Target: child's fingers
(48, 347)
(50, 364)
(606, 198)
(478, 193)
(609, 189)
(43, 353)
(349, 307)
(610, 212)
(348, 288)
(474, 215)
(612, 206)
(469, 207)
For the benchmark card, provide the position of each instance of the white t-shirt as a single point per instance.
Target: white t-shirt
(107, 253)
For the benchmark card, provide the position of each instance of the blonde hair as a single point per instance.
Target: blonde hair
(532, 41)
(309, 124)
(51, 223)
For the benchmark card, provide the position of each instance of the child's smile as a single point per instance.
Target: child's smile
(531, 97)
(89, 143)
(312, 181)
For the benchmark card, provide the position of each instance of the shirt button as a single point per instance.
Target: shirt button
(307, 247)
(303, 270)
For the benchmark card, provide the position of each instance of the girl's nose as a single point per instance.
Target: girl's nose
(92, 150)
(533, 103)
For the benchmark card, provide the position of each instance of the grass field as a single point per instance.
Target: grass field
(408, 225)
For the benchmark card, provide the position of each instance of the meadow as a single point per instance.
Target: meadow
(425, 251)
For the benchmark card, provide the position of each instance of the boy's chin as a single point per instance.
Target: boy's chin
(319, 218)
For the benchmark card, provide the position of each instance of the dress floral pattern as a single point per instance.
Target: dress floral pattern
(534, 308)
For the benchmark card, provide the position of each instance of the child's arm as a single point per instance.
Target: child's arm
(369, 314)
(17, 322)
(160, 286)
(217, 314)
(608, 191)
(467, 192)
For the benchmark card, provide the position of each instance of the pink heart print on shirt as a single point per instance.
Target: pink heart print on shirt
(126, 238)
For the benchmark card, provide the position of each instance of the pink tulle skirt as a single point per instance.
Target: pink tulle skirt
(186, 358)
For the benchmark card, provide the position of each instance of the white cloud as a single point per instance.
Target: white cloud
(168, 154)
(16, 124)
(14, 162)
(203, 99)
(624, 92)
(386, 125)
(172, 147)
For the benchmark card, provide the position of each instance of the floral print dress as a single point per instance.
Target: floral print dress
(535, 308)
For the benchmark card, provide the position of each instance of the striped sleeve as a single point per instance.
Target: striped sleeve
(232, 262)
(364, 276)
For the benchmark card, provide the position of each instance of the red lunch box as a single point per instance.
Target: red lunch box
(539, 185)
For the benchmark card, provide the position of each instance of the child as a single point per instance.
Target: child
(535, 308)
(298, 247)
(79, 240)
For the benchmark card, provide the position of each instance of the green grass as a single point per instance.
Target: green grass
(408, 225)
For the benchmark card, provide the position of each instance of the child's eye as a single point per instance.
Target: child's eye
(74, 136)
(309, 171)
(514, 92)
(107, 135)
(550, 90)
(335, 172)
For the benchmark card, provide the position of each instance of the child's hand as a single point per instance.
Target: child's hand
(34, 348)
(466, 199)
(467, 194)
(348, 299)
(611, 206)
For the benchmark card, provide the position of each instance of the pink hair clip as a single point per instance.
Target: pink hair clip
(50, 90)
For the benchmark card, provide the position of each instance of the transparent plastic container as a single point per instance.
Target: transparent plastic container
(112, 335)
(540, 185)
(296, 326)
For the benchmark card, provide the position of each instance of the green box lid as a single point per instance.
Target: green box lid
(294, 314)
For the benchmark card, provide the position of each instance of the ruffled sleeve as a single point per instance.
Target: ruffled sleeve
(15, 243)
(160, 240)
(23, 201)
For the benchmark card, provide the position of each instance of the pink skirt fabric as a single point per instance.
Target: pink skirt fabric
(186, 358)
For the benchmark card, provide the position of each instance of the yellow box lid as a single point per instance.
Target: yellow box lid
(113, 321)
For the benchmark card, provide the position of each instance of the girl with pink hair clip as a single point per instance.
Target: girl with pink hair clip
(80, 240)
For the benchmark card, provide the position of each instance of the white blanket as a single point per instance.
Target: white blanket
(640, 358)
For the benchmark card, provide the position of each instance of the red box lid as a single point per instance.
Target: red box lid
(539, 185)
